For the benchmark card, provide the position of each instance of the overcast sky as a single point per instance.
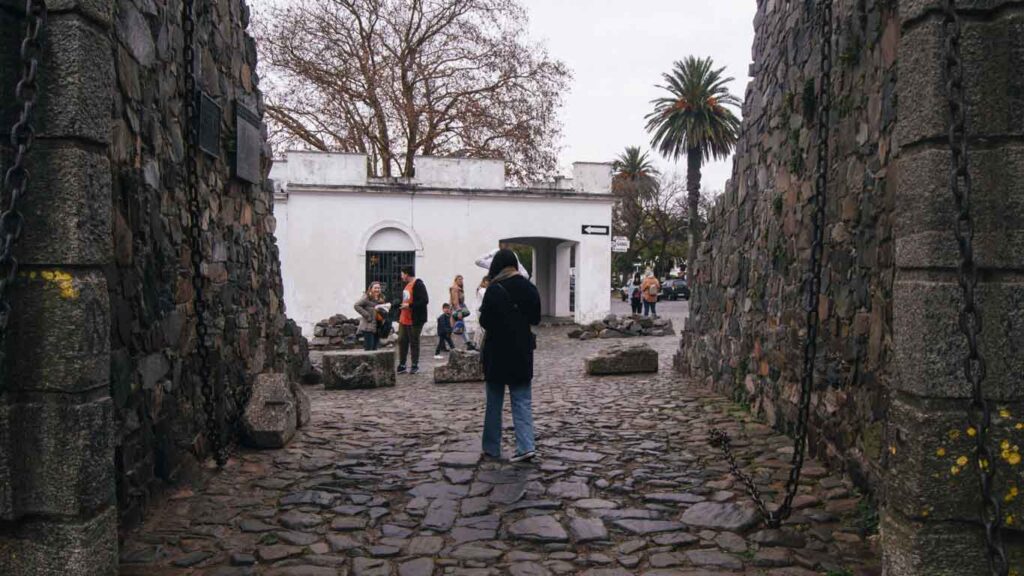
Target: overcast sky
(618, 49)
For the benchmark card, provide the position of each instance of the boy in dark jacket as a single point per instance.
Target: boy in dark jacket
(444, 331)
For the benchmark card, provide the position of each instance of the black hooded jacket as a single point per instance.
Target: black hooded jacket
(508, 310)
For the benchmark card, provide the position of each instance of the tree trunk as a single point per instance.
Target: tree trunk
(693, 161)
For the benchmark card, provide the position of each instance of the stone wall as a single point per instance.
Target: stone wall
(745, 332)
(153, 370)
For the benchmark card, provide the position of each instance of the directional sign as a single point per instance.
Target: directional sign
(596, 230)
(620, 244)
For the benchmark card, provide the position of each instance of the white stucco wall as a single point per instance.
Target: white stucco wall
(464, 173)
(328, 168)
(323, 233)
(592, 177)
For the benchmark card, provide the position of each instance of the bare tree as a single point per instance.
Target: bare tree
(399, 78)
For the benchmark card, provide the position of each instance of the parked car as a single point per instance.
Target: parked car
(675, 289)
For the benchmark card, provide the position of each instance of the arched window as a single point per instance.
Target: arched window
(387, 251)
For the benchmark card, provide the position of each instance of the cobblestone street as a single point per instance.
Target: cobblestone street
(389, 481)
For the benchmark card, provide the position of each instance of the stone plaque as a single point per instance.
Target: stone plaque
(209, 125)
(248, 144)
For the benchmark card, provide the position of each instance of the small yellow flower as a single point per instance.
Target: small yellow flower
(1004, 445)
(1014, 459)
(1009, 519)
(940, 452)
(1019, 426)
(983, 464)
(892, 450)
(954, 470)
(961, 461)
(925, 512)
(971, 431)
(1011, 494)
(1004, 413)
(953, 434)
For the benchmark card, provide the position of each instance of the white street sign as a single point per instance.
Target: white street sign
(620, 244)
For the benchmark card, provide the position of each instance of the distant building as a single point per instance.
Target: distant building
(338, 230)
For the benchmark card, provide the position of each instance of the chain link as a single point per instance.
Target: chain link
(812, 291)
(979, 414)
(16, 179)
(213, 429)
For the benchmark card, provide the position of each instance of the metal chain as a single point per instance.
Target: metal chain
(812, 287)
(213, 431)
(970, 315)
(15, 183)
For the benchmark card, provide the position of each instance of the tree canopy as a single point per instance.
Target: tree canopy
(394, 79)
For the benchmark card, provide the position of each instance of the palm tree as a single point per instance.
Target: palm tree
(635, 186)
(694, 120)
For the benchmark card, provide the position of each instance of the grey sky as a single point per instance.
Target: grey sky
(618, 49)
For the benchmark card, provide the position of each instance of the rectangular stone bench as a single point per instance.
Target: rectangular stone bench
(353, 369)
(635, 359)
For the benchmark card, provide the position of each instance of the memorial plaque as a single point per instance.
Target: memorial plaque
(209, 125)
(248, 144)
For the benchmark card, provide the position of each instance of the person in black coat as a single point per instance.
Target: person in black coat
(510, 307)
(411, 318)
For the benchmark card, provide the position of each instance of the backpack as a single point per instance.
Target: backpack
(531, 338)
(652, 290)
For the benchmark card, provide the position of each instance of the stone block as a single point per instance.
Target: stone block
(929, 348)
(923, 225)
(67, 210)
(60, 331)
(6, 504)
(914, 9)
(634, 359)
(77, 81)
(352, 369)
(54, 547)
(62, 457)
(462, 366)
(926, 478)
(993, 54)
(270, 416)
(303, 408)
(912, 548)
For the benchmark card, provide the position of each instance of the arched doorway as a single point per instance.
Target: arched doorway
(388, 250)
(552, 268)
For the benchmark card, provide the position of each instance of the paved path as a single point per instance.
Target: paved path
(390, 482)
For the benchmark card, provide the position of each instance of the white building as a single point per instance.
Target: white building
(338, 230)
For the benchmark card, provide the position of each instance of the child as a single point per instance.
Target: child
(444, 331)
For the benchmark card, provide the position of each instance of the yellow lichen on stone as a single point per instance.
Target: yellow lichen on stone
(62, 280)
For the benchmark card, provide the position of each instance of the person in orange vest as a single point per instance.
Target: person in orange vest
(411, 319)
(650, 288)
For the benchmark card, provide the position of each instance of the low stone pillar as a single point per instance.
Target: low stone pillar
(354, 369)
(271, 416)
(462, 366)
(932, 495)
(634, 359)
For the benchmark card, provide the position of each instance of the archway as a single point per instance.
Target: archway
(387, 250)
(553, 273)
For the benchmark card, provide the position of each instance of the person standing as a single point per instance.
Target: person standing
(635, 296)
(510, 307)
(372, 311)
(651, 288)
(457, 300)
(478, 337)
(411, 318)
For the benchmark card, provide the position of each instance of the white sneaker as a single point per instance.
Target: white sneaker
(523, 457)
(438, 357)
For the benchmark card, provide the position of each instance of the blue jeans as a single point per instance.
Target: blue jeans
(370, 341)
(521, 397)
(650, 308)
